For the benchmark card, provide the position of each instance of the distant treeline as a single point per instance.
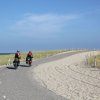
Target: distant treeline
(6, 53)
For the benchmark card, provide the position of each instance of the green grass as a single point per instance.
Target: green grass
(94, 59)
(36, 55)
(98, 61)
(4, 58)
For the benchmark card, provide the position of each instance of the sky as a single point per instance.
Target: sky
(49, 24)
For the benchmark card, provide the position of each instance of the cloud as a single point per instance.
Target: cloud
(41, 24)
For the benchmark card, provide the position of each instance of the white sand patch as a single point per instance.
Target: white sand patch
(69, 78)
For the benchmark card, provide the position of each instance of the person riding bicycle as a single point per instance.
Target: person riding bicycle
(29, 56)
(17, 56)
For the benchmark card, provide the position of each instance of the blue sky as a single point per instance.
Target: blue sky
(49, 24)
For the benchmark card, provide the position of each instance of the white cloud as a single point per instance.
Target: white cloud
(43, 24)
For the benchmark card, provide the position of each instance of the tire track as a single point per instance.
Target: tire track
(60, 71)
(82, 73)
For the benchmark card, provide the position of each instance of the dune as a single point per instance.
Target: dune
(70, 77)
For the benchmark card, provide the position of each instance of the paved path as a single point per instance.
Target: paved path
(18, 84)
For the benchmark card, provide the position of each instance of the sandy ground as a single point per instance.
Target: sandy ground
(70, 77)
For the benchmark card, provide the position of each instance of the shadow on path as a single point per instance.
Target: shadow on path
(24, 66)
(10, 67)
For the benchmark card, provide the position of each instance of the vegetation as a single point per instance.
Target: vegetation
(94, 61)
(5, 59)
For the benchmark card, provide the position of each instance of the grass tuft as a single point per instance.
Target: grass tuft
(94, 61)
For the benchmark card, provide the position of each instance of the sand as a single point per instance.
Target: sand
(70, 77)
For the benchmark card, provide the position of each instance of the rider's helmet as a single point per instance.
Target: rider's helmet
(18, 51)
(30, 52)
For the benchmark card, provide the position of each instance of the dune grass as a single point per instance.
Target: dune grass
(94, 61)
(4, 59)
